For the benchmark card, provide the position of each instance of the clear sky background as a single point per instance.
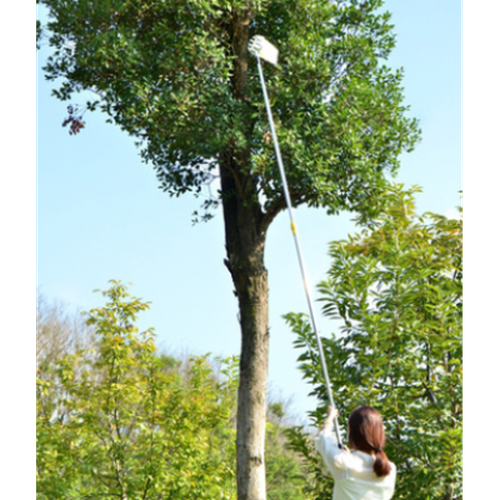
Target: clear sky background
(101, 215)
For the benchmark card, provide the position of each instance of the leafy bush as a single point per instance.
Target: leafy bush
(396, 291)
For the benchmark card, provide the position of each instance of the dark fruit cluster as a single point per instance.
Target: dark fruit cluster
(76, 122)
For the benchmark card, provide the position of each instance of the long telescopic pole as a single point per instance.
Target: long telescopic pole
(297, 243)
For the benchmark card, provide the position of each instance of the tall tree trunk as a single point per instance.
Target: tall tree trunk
(245, 228)
(245, 240)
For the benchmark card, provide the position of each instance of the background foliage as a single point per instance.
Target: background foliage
(396, 290)
(118, 419)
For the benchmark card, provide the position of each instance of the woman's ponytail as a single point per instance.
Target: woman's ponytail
(381, 466)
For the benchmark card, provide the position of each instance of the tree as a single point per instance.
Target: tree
(286, 473)
(396, 289)
(177, 76)
(58, 332)
(127, 423)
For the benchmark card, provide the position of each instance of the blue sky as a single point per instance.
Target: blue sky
(101, 216)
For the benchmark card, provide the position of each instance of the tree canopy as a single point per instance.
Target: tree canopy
(395, 288)
(177, 76)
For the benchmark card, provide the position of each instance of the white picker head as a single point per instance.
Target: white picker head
(264, 49)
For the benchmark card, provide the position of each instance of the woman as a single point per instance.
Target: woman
(365, 473)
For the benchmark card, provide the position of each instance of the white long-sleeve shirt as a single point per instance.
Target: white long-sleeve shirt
(353, 472)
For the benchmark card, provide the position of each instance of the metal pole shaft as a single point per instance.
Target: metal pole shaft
(297, 244)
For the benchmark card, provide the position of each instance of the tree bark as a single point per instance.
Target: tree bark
(245, 232)
(245, 238)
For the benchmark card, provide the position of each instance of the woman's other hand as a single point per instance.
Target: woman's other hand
(332, 414)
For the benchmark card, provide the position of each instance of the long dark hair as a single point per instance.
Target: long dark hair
(366, 433)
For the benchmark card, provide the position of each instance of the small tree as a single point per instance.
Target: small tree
(127, 425)
(396, 287)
